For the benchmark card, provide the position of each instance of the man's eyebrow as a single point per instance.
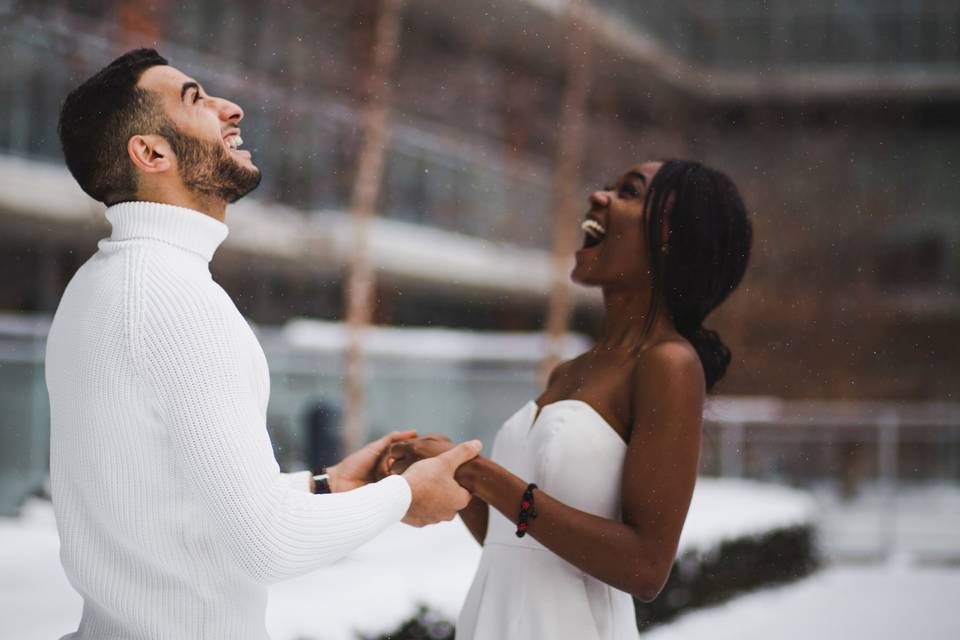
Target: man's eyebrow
(186, 87)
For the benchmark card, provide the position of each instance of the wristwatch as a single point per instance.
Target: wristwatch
(321, 481)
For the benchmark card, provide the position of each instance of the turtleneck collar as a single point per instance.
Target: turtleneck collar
(185, 228)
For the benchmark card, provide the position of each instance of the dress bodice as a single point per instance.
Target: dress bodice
(569, 451)
(522, 589)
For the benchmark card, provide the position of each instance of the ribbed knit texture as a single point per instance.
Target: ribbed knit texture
(172, 512)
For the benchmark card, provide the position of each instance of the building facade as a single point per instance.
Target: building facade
(838, 120)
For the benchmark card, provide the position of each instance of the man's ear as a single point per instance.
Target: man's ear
(150, 154)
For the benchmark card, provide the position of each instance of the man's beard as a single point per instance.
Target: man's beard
(207, 169)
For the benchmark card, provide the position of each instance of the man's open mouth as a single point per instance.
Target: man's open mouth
(233, 141)
(594, 233)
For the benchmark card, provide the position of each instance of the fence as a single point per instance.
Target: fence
(802, 442)
(887, 475)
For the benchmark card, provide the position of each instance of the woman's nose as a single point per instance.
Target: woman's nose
(599, 198)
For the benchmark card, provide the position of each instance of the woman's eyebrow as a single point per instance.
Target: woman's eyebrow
(639, 176)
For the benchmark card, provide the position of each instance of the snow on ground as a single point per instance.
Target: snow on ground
(373, 589)
(36, 600)
(380, 584)
(877, 602)
(729, 508)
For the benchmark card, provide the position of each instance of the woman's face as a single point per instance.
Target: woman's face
(614, 251)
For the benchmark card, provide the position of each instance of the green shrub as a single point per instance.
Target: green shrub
(425, 625)
(736, 566)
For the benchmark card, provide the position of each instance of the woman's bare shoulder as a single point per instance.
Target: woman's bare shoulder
(670, 363)
(562, 369)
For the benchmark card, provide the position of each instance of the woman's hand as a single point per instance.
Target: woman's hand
(362, 466)
(396, 458)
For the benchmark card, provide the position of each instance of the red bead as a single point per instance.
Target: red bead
(522, 526)
(525, 505)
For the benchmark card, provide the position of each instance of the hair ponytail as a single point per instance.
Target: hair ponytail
(714, 354)
(698, 240)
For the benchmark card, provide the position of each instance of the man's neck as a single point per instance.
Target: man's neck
(213, 207)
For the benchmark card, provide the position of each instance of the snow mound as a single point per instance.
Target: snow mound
(725, 509)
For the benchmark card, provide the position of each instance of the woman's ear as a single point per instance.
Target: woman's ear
(150, 153)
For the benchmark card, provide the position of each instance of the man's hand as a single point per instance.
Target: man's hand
(398, 457)
(436, 495)
(357, 469)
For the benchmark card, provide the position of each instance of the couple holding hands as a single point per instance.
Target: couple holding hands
(172, 512)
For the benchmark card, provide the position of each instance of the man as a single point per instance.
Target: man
(172, 511)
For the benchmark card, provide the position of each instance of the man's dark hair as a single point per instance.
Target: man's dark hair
(99, 117)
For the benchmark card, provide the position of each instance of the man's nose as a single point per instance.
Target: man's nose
(229, 111)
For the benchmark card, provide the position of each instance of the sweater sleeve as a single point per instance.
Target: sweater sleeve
(189, 342)
(299, 480)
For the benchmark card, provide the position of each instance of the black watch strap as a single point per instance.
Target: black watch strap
(321, 481)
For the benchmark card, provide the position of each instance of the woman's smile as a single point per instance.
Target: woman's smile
(594, 233)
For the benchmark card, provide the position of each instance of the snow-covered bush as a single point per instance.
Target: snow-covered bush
(739, 535)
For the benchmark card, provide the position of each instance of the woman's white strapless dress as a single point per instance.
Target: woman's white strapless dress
(522, 590)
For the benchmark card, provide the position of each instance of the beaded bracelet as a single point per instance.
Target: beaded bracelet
(527, 511)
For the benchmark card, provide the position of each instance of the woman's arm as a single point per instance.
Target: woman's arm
(659, 475)
(404, 451)
(474, 515)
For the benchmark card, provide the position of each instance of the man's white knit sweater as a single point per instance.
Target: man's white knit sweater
(172, 511)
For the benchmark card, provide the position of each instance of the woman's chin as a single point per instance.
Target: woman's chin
(581, 275)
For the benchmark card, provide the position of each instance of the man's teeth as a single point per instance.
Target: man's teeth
(594, 229)
(234, 142)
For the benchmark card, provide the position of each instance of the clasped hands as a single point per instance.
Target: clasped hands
(400, 455)
(427, 463)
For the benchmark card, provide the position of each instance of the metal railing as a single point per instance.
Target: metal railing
(887, 475)
(846, 442)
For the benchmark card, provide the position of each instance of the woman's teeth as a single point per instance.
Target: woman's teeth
(594, 233)
(593, 229)
(234, 142)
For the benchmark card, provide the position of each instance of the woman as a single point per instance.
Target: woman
(612, 444)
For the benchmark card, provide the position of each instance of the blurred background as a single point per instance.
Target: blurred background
(429, 161)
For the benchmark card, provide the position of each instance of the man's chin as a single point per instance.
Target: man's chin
(246, 178)
(246, 188)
